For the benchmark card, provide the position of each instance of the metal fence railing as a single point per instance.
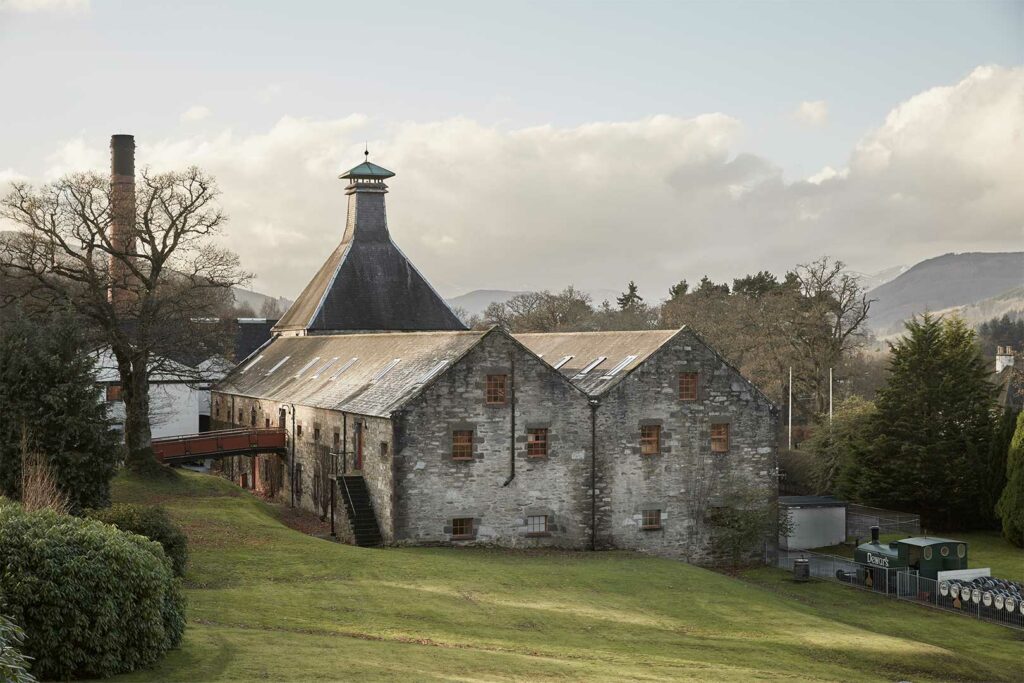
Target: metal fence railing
(990, 603)
(860, 519)
(993, 603)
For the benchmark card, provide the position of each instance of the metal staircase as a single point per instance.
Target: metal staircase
(359, 508)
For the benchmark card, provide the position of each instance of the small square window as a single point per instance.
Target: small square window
(687, 386)
(462, 444)
(720, 438)
(497, 390)
(114, 392)
(462, 527)
(650, 439)
(537, 525)
(651, 519)
(537, 442)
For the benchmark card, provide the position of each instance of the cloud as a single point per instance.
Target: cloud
(196, 112)
(814, 114)
(655, 200)
(52, 6)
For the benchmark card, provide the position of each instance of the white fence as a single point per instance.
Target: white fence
(987, 599)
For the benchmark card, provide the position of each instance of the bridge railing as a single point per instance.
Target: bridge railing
(220, 443)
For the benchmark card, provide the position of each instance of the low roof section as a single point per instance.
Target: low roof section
(595, 361)
(367, 374)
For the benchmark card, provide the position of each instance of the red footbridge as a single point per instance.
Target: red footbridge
(176, 450)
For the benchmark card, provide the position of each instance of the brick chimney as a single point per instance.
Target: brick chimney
(1004, 358)
(122, 212)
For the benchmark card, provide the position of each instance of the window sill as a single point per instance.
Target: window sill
(503, 404)
(469, 459)
(537, 534)
(536, 457)
(650, 455)
(464, 537)
(651, 528)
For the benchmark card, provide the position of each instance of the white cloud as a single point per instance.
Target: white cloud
(595, 205)
(814, 114)
(54, 6)
(196, 112)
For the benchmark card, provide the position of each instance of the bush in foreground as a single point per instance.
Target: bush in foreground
(1011, 505)
(94, 601)
(152, 522)
(13, 664)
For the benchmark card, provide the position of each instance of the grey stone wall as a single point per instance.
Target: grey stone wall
(685, 480)
(432, 489)
(313, 459)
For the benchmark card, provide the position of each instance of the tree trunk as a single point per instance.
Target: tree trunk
(138, 436)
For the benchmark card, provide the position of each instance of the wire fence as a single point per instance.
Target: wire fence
(860, 519)
(993, 600)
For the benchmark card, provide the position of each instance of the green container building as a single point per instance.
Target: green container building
(926, 554)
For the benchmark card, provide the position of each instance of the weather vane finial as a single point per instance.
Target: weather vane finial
(366, 150)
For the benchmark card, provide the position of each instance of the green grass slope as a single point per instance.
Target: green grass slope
(266, 602)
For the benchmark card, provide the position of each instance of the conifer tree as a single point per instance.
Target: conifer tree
(53, 409)
(630, 298)
(1011, 503)
(933, 426)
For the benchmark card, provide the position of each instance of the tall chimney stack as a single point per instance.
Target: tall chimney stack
(122, 214)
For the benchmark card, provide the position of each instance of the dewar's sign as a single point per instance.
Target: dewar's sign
(878, 560)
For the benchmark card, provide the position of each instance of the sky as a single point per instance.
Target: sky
(541, 144)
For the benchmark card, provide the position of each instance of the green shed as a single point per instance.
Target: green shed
(926, 554)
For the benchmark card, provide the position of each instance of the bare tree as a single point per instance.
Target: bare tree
(149, 299)
(270, 309)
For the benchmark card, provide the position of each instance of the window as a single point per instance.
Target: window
(281, 416)
(114, 392)
(537, 442)
(562, 361)
(720, 438)
(252, 416)
(216, 408)
(650, 439)
(298, 429)
(650, 519)
(307, 366)
(349, 363)
(337, 439)
(497, 389)
(462, 527)
(266, 423)
(687, 386)
(618, 368)
(239, 416)
(316, 434)
(537, 525)
(278, 364)
(298, 482)
(385, 370)
(462, 444)
(591, 365)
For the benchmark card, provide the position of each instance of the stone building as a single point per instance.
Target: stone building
(410, 429)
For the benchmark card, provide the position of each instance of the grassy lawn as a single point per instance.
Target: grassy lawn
(984, 549)
(267, 602)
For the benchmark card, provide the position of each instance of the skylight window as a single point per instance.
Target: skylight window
(432, 372)
(307, 366)
(324, 367)
(254, 362)
(591, 365)
(563, 361)
(349, 363)
(386, 369)
(618, 368)
(278, 364)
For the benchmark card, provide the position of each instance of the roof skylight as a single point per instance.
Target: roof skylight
(278, 364)
(349, 363)
(323, 367)
(386, 369)
(618, 368)
(248, 367)
(563, 361)
(432, 372)
(307, 366)
(591, 365)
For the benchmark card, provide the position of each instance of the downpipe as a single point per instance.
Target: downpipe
(512, 416)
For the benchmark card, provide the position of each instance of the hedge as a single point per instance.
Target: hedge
(13, 664)
(93, 601)
(152, 522)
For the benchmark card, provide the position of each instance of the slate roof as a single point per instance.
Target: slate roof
(285, 370)
(1010, 387)
(811, 501)
(622, 352)
(367, 169)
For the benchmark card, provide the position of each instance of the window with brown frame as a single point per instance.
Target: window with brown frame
(537, 442)
(240, 416)
(537, 525)
(651, 519)
(252, 416)
(687, 386)
(266, 423)
(216, 409)
(720, 438)
(298, 430)
(114, 392)
(462, 527)
(316, 434)
(497, 390)
(337, 439)
(462, 444)
(650, 439)
(383, 449)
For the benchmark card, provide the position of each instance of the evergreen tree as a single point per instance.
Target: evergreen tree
(630, 298)
(53, 408)
(1011, 503)
(933, 427)
(994, 468)
(677, 291)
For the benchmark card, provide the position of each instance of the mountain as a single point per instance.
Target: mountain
(255, 300)
(971, 282)
(476, 301)
(873, 280)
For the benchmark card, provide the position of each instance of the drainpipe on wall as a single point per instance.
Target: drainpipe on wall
(512, 415)
(593, 474)
(291, 458)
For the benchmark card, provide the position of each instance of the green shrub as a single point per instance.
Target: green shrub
(1011, 504)
(94, 601)
(152, 522)
(13, 664)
